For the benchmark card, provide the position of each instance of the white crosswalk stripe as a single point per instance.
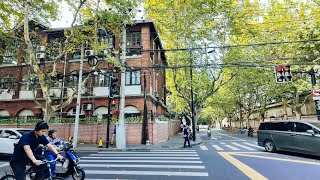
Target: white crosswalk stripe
(217, 147)
(4, 165)
(123, 165)
(236, 146)
(233, 148)
(245, 147)
(203, 147)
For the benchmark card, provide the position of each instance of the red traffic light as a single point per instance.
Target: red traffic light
(286, 68)
(279, 68)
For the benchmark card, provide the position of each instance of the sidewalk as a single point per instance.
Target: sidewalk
(175, 142)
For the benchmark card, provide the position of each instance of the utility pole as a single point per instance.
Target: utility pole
(76, 124)
(145, 113)
(121, 132)
(192, 103)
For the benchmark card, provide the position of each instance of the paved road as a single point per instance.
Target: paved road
(224, 155)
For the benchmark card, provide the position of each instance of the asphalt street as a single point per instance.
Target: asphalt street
(224, 155)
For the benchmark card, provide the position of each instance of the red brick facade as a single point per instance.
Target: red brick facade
(91, 133)
(155, 88)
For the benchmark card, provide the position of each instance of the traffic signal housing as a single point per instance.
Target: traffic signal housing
(283, 73)
(113, 87)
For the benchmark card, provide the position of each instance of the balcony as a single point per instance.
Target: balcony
(133, 90)
(6, 94)
(101, 91)
(27, 94)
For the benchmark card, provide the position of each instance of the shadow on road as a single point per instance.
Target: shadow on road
(299, 155)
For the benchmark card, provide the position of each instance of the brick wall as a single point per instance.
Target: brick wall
(91, 133)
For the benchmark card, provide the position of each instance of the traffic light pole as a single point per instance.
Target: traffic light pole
(109, 112)
(314, 83)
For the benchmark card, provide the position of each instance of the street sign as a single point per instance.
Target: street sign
(316, 92)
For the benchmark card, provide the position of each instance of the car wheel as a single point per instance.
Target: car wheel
(269, 146)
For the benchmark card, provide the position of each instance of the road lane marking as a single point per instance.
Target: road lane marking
(278, 159)
(203, 148)
(248, 171)
(141, 161)
(143, 166)
(169, 150)
(214, 138)
(4, 165)
(217, 147)
(107, 157)
(222, 143)
(245, 147)
(256, 146)
(152, 173)
(229, 136)
(150, 152)
(143, 155)
(233, 148)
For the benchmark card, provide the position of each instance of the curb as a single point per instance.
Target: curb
(103, 149)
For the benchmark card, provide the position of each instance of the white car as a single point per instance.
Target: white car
(9, 136)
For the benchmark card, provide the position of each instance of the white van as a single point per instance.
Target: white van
(9, 136)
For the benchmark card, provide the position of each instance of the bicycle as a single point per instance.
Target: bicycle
(37, 172)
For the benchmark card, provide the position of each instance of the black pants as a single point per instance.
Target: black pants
(186, 139)
(19, 170)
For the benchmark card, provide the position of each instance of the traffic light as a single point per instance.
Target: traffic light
(283, 74)
(113, 87)
(287, 73)
(113, 104)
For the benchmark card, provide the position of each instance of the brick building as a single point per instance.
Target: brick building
(17, 91)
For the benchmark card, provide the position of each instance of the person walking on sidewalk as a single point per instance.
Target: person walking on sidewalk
(186, 136)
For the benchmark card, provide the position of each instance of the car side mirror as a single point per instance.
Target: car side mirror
(310, 131)
(13, 137)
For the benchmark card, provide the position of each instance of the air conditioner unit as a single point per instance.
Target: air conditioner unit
(51, 93)
(41, 48)
(89, 53)
(40, 55)
(87, 107)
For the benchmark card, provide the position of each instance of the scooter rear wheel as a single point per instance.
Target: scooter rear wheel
(79, 175)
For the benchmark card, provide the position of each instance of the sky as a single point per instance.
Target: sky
(67, 16)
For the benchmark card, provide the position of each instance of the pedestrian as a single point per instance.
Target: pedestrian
(186, 136)
(114, 134)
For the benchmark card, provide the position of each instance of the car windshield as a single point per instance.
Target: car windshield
(23, 131)
(316, 124)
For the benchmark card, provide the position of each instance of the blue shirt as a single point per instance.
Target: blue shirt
(19, 155)
(55, 142)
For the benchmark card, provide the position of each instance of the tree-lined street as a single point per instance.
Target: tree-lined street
(224, 155)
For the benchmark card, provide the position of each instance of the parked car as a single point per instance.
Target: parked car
(9, 136)
(293, 135)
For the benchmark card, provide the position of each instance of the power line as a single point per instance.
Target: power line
(233, 46)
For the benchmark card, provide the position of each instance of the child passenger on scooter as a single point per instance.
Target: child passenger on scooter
(56, 142)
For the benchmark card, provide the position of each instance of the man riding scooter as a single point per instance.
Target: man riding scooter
(208, 131)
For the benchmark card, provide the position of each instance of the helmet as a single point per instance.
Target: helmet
(51, 131)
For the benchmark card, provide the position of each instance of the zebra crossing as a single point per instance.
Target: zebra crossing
(4, 164)
(233, 146)
(143, 165)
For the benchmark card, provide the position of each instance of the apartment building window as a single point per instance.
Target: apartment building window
(133, 78)
(134, 39)
(54, 47)
(102, 80)
(6, 82)
(73, 80)
(29, 82)
(134, 44)
(10, 53)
